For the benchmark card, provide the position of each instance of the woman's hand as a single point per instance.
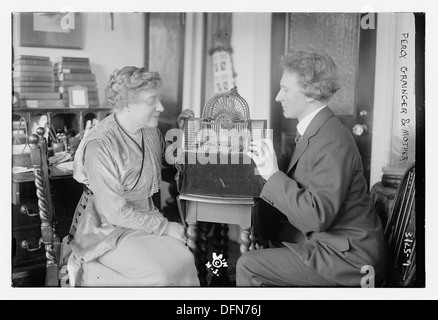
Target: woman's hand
(263, 155)
(175, 230)
(187, 113)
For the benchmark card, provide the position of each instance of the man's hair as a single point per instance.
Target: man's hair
(316, 73)
(125, 83)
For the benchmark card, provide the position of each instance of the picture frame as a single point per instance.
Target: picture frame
(51, 30)
(78, 97)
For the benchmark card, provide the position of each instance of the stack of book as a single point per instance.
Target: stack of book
(72, 71)
(34, 83)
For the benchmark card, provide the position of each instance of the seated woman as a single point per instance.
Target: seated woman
(119, 161)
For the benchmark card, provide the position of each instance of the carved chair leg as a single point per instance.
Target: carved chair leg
(204, 229)
(245, 242)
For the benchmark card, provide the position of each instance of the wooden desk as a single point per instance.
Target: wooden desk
(17, 178)
(26, 224)
(195, 208)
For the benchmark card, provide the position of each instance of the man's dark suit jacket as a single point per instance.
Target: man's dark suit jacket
(324, 195)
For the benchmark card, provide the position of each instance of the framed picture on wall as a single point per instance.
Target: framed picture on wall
(51, 30)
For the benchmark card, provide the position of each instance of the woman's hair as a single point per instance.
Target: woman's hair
(124, 84)
(317, 73)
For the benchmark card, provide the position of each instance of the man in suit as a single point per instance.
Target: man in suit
(330, 235)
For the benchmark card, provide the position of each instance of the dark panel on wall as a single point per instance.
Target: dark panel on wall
(364, 104)
(277, 50)
(336, 34)
(353, 49)
(166, 56)
(218, 33)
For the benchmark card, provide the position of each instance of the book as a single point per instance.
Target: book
(45, 103)
(64, 89)
(72, 65)
(32, 62)
(65, 70)
(35, 84)
(25, 67)
(69, 83)
(30, 57)
(91, 95)
(76, 76)
(72, 59)
(91, 102)
(33, 89)
(40, 95)
(49, 78)
(19, 74)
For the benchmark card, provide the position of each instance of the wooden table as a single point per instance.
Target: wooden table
(196, 208)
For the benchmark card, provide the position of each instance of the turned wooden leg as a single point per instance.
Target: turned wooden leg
(253, 240)
(245, 242)
(204, 229)
(192, 236)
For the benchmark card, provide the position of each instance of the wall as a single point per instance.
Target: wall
(107, 49)
(251, 43)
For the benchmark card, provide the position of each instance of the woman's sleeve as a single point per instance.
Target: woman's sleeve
(163, 146)
(105, 183)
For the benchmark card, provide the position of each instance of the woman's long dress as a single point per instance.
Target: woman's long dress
(120, 229)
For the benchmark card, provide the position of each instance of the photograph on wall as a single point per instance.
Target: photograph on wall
(51, 29)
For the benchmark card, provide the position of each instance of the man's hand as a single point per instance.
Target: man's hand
(263, 155)
(175, 230)
(181, 119)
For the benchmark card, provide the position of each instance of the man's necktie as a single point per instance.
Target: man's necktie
(297, 137)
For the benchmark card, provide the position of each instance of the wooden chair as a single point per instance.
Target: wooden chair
(57, 252)
(49, 237)
(400, 234)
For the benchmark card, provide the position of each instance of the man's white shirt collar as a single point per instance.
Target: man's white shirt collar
(303, 124)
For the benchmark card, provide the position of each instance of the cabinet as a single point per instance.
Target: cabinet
(72, 119)
(28, 262)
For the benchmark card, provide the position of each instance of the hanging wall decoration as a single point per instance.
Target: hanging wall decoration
(223, 71)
